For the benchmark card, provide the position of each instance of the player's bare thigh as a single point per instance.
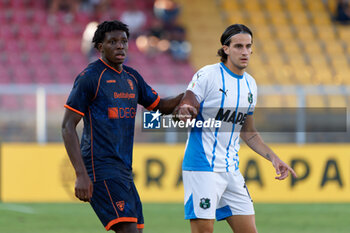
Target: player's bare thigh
(126, 227)
(242, 223)
(202, 225)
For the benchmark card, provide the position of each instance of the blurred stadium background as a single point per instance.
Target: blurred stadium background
(301, 60)
(301, 55)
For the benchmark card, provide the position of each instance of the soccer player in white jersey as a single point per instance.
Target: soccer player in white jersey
(214, 186)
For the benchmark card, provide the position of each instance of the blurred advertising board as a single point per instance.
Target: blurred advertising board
(43, 173)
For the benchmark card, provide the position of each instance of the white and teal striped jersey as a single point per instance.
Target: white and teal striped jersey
(227, 97)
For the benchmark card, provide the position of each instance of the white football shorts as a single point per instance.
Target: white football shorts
(210, 195)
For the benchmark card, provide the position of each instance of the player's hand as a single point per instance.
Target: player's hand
(185, 112)
(83, 188)
(282, 169)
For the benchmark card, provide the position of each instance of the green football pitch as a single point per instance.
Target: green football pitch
(168, 218)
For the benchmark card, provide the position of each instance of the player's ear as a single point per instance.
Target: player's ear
(225, 48)
(99, 47)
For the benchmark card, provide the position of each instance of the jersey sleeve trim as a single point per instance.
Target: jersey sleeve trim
(74, 110)
(119, 72)
(155, 103)
(98, 85)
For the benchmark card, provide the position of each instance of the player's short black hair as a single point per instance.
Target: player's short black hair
(108, 26)
(228, 33)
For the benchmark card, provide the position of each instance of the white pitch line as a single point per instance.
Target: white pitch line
(17, 208)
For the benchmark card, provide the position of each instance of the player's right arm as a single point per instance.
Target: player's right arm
(196, 92)
(167, 105)
(83, 184)
(188, 107)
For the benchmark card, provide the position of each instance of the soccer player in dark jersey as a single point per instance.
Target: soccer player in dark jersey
(106, 95)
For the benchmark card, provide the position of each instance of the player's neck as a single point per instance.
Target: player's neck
(234, 68)
(118, 67)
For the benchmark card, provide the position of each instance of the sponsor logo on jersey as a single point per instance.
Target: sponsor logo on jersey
(204, 203)
(225, 92)
(193, 82)
(199, 73)
(231, 116)
(123, 95)
(120, 113)
(111, 81)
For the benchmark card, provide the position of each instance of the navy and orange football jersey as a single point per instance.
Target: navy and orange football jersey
(107, 99)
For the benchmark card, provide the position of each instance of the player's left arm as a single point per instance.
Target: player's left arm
(252, 138)
(167, 105)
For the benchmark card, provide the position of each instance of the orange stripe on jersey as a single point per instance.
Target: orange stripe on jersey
(110, 197)
(140, 226)
(132, 76)
(155, 103)
(98, 85)
(122, 219)
(92, 147)
(74, 110)
(111, 66)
